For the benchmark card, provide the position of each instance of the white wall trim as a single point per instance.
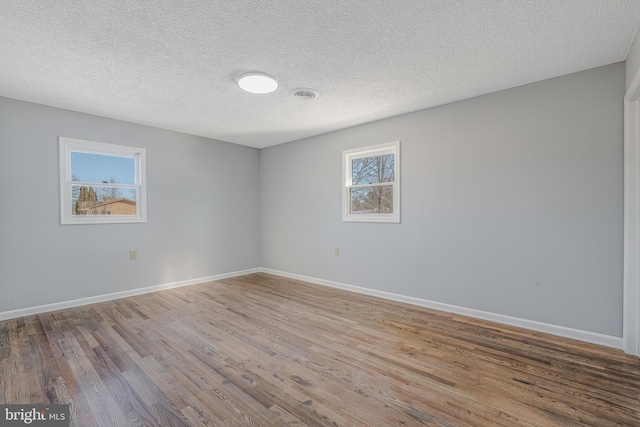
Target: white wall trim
(29, 311)
(562, 331)
(631, 301)
(577, 334)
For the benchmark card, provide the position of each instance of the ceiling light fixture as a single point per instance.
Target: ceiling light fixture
(257, 82)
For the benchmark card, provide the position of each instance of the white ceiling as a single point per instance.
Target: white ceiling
(173, 63)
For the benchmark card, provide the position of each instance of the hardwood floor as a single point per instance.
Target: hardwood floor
(263, 350)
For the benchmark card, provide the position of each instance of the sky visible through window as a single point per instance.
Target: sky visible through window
(100, 168)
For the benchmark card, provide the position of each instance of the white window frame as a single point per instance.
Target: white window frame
(69, 145)
(347, 174)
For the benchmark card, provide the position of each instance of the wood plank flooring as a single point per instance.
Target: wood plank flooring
(261, 350)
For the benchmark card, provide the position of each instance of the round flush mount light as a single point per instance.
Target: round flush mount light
(257, 82)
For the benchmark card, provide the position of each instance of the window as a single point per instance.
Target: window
(101, 183)
(371, 191)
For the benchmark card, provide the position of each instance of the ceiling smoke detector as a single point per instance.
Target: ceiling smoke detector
(305, 94)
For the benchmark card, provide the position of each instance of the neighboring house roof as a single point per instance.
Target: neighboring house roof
(108, 206)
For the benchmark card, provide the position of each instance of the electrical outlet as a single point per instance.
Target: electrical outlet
(133, 255)
(336, 250)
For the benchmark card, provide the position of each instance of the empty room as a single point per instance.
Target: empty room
(320, 213)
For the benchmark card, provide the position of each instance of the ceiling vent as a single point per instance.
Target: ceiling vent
(305, 94)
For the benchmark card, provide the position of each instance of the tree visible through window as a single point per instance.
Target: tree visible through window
(103, 185)
(371, 191)
(101, 182)
(369, 194)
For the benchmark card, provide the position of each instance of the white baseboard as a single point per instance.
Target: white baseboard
(29, 311)
(563, 331)
(577, 334)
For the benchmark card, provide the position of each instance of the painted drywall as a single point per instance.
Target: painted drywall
(633, 61)
(203, 216)
(512, 203)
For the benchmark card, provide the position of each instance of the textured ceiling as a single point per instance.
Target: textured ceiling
(173, 63)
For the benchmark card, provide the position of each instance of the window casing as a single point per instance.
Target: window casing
(371, 190)
(101, 183)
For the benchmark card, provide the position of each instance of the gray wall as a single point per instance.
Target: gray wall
(203, 216)
(512, 203)
(633, 61)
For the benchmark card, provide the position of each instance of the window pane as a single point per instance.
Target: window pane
(372, 170)
(103, 169)
(372, 200)
(103, 200)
